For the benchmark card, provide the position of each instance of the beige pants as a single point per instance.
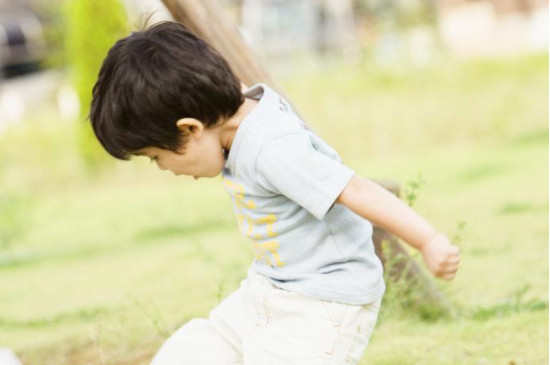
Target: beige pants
(260, 324)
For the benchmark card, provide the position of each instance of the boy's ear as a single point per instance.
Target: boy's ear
(190, 127)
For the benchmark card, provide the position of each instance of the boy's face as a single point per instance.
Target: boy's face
(201, 157)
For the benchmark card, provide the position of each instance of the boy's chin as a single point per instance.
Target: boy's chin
(207, 175)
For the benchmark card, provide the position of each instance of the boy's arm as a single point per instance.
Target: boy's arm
(385, 210)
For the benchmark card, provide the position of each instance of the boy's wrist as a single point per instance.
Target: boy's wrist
(431, 238)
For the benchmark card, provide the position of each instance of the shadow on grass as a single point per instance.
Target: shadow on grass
(514, 304)
(173, 230)
(156, 235)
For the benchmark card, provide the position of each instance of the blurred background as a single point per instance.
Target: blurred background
(100, 260)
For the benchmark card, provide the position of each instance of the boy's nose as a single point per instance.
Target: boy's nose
(161, 167)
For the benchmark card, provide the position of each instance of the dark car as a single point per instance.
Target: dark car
(22, 45)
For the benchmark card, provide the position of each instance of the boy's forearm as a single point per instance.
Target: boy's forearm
(385, 210)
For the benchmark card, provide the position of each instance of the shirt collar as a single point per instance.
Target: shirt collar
(266, 97)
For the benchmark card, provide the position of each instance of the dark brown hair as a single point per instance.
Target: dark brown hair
(153, 78)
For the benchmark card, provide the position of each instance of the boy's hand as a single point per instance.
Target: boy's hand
(441, 256)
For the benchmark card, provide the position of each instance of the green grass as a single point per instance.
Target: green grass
(99, 269)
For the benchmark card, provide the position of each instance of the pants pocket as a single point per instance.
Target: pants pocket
(363, 332)
(257, 291)
(336, 312)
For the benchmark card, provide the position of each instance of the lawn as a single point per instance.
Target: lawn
(99, 267)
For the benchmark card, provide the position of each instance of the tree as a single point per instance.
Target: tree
(92, 27)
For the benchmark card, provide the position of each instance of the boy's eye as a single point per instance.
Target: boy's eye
(153, 159)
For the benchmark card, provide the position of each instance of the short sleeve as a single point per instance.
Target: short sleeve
(304, 169)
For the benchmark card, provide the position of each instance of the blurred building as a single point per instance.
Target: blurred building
(150, 11)
(421, 31)
(393, 31)
(283, 26)
(280, 27)
(493, 27)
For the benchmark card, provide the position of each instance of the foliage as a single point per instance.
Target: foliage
(54, 35)
(92, 28)
(412, 189)
(407, 295)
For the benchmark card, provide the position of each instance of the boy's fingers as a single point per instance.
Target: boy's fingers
(450, 268)
(453, 250)
(449, 275)
(454, 261)
(453, 257)
(447, 271)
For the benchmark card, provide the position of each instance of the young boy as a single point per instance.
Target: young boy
(313, 292)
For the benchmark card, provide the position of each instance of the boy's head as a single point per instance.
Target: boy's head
(154, 78)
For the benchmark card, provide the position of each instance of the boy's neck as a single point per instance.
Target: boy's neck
(228, 129)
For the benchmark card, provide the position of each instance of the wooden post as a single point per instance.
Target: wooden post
(207, 20)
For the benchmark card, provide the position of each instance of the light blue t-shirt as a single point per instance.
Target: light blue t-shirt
(283, 181)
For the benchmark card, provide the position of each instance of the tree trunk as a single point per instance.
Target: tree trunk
(207, 20)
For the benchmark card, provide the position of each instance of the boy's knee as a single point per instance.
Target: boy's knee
(197, 342)
(178, 346)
